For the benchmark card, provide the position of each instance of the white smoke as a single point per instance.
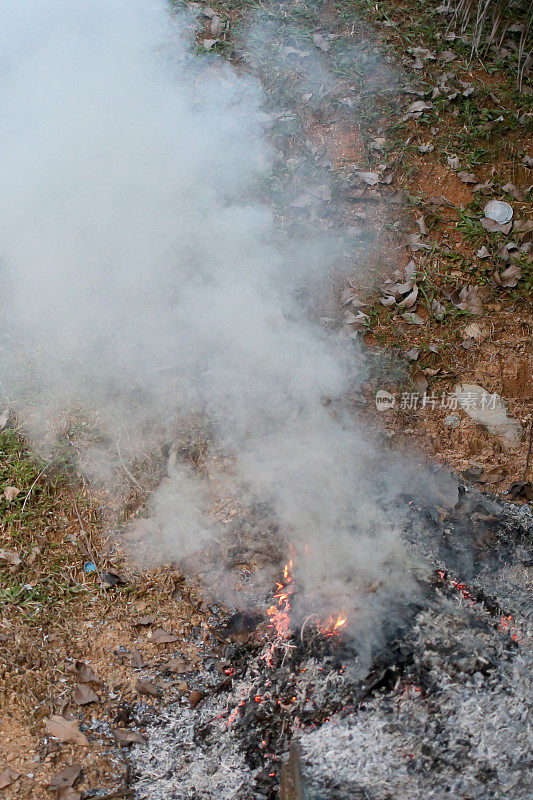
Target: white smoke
(142, 278)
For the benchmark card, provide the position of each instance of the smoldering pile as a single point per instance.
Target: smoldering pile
(441, 711)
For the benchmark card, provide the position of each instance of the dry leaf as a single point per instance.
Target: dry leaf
(159, 636)
(483, 252)
(83, 694)
(179, 666)
(521, 490)
(357, 322)
(494, 475)
(415, 243)
(418, 107)
(84, 674)
(439, 200)
(419, 380)
(370, 178)
(10, 492)
(217, 26)
(468, 299)
(484, 188)
(523, 226)
(67, 777)
(195, 697)
(144, 620)
(66, 730)
(421, 222)
(136, 660)
(3, 419)
(147, 688)
(438, 310)
(7, 777)
(495, 227)
(411, 298)
(412, 354)
(467, 177)
(511, 189)
(68, 794)
(509, 277)
(11, 556)
(125, 737)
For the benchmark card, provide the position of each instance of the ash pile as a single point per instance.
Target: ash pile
(297, 711)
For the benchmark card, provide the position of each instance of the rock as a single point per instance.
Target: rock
(452, 421)
(491, 412)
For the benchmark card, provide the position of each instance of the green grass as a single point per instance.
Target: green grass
(37, 524)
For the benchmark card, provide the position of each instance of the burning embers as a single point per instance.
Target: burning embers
(506, 621)
(280, 614)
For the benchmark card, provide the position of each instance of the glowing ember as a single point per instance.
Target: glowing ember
(506, 622)
(331, 626)
(280, 614)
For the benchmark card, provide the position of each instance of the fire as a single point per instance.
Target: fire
(280, 618)
(331, 626)
(280, 614)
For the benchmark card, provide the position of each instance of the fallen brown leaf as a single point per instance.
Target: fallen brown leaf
(67, 777)
(438, 309)
(142, 621)
(509, 277)
(420, 382)
(147, 688)
(11, 556)
(10, 492)
(467, 299)
(68, 794)
(490, 476)
(495, 227)
(521, 490)
(7, 777)
(159, 636)
(84, 674)
(321, 42)
(418, 107)
(136, 659)
(125, 737)
(195, 697)
(66, 730)
(83, 694)
(411, 298)
(467, 177)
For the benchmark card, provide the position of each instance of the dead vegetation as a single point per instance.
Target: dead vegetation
(80, 627)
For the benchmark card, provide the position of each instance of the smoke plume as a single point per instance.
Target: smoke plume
(144, 281)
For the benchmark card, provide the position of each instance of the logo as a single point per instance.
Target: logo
(384, 400)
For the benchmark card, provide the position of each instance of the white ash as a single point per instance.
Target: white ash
(468, 737)
(174, 765)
